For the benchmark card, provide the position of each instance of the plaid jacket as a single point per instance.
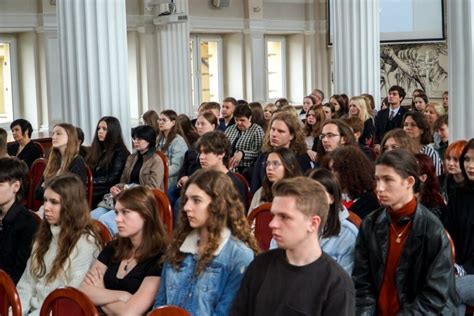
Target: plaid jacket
(249, 142)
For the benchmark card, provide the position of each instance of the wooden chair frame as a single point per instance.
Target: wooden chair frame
(8, 296)
(53, 300)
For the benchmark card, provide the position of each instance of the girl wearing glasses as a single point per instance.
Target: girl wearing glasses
(281, 163)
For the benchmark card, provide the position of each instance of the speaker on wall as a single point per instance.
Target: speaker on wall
(221, 3)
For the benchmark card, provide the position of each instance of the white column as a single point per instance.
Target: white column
(356, 47)
(255, 63)
(461, 69)
(94, 64)
(173, 80)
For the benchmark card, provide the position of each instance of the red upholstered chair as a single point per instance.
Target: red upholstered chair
(354, 219)
(166, 213)
(169, 310)
(262, 217)
(89, 186)
(166, 174)
(34, 178)
(8, 296)
(68, 301)
(104, 231)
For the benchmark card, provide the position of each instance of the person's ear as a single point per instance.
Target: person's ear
(315, 223)
(411, 181)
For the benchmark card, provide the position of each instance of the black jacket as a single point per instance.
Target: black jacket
(16, 238)
(424, 277)
(29, 154)
(107, 176)
(383, 124)
(459, 222)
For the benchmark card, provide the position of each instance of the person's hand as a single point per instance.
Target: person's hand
(182, 181)
(124, 297)
(115, 190)
(377, 149)
(95, 277)
(312, 155)
(235, 160)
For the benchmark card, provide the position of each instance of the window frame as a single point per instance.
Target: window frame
(282, 39)
(15, 92)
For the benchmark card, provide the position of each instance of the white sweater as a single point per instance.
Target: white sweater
(33, 291)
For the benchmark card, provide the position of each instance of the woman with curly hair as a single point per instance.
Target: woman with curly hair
(106, 157)
(126, 276)
(356, 174)
(211, 248)
(171, 141)
(315, 117)
(429, 191)
(281, 163)
(284, 131)
(65, 245)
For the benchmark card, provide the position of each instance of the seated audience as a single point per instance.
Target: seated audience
(308, 101)
(268, 110)
(189, 130)
(432, 111)
(329, 110)
(3, 143)
(281, 164)
(335, 133)
(458, 222)
(171, 141)
(355, 173)
(257, 114)
(213, 107)
(341, 107)
(144, 168)
(151, 118)
(428, 193)
(17, 225)
(402, 256)
(23, 148)
(211, 248)
(64, 157)
(106, 157)
(419, 102)
(445, 97)
(441, 135)
(397, 138)
(284, 131)
(315, 118)
(126, 276)
(417, 127)
(82, 149)
(357, 126)
(65, 246)
(245, 138)
(298, 278)
(453, 178)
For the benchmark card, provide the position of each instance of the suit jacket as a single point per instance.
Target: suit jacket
(383, 124)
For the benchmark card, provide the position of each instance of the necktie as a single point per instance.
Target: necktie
(392, 115)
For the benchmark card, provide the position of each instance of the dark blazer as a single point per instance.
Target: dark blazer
(16, 238)
(424, 276)
(107, 176)
(383, 124)
(30, 153)
(222, 126)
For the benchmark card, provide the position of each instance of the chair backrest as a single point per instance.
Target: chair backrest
(354, 219)
(8, 296)
(166, 213)
(104, 231)
(262, 217)
(89, 185)
(169, 310)
(34, 178)
(166, 167)
(248, 194)
(41, 148)
(36, 217)
(68, 301)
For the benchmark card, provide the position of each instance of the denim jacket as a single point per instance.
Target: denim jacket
(211, 292)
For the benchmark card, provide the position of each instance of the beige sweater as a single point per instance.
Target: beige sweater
(33, 291)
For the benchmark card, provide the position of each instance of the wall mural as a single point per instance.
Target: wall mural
(414, 66)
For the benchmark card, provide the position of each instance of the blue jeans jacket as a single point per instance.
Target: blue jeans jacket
(213, 291)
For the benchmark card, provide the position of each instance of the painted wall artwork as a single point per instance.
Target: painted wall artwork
(414, 66)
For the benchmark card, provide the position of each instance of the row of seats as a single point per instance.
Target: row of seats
(64, 301)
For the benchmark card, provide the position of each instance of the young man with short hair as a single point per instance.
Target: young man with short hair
(227, 112)
(441, 136)
(403, 263)
(297, 278)
(17, 225)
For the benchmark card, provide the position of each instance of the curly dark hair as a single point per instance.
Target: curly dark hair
(421, 122)
(225, 210)
(356, 173)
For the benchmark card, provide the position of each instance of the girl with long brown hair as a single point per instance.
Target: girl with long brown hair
(126, 276)
(211, 248)
(65, 245)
